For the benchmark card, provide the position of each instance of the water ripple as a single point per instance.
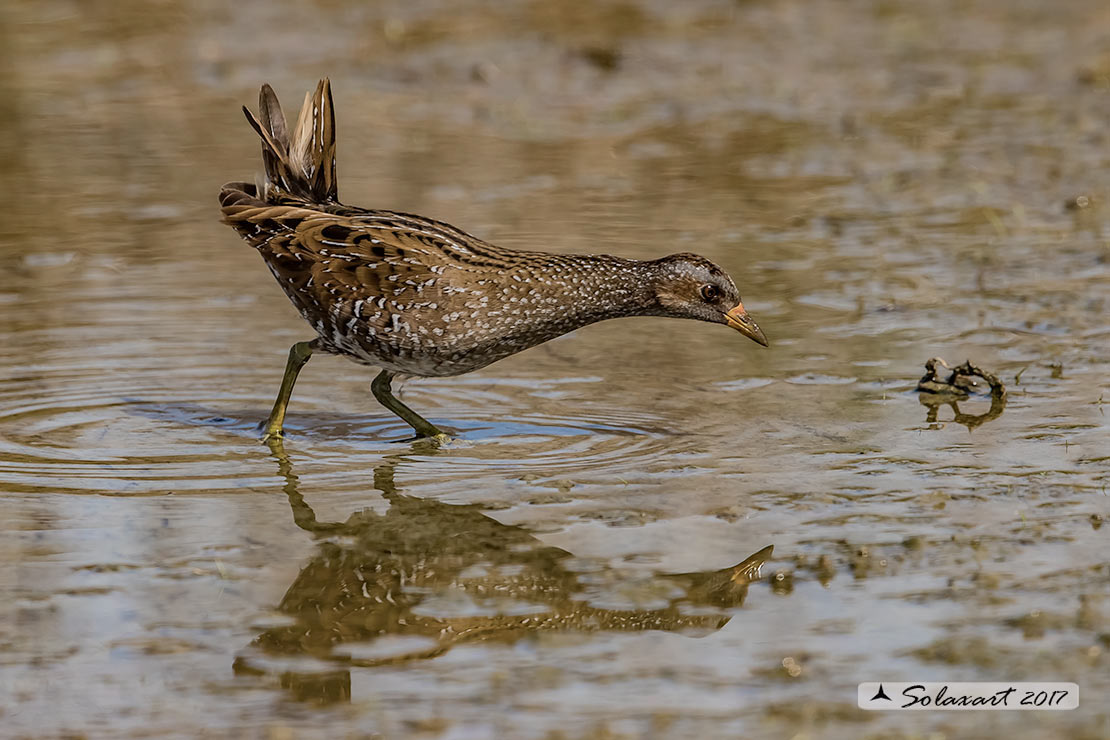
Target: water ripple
(136, 438)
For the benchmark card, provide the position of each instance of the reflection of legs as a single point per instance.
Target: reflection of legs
(303, 515)
(298, 356)
(382, 392)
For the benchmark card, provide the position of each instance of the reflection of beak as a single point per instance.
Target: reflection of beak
(739, 320)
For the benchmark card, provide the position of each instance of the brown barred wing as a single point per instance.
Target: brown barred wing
(370, 291)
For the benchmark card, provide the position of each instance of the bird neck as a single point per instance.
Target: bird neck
(549, 295)
(604, 287)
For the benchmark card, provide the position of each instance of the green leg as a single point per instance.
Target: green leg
(422, 426)
(298, 356)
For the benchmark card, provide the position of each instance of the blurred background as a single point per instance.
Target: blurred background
(886, 181)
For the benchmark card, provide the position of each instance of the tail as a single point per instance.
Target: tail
(301, 165)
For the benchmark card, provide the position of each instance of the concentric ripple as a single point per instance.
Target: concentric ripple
(92, 441)
(66, 432)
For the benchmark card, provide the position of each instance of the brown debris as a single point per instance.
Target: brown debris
(938, 389)
(960, 381)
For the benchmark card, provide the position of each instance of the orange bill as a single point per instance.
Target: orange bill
(739, 320)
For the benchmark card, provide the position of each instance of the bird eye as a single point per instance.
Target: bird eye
(710, 292)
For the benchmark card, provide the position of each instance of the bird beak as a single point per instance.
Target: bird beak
(739, 320)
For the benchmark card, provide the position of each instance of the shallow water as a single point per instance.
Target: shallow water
(887, 183)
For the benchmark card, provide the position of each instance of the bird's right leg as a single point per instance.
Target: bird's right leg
(298, 356)
(423, 428)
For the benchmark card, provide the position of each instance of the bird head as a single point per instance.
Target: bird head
(691, 287)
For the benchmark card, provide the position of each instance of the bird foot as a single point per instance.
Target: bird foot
(437, 440)
(269, 433)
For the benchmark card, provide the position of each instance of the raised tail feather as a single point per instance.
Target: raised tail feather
(301, 164)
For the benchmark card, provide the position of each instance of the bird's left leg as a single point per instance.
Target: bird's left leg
(298, 356)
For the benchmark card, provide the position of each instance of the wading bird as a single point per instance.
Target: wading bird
(419, 297)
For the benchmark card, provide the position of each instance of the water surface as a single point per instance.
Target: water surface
(887, 183)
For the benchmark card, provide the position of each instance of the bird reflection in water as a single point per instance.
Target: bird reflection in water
(378, 576)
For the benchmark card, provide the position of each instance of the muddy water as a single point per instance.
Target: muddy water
(887, 184)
